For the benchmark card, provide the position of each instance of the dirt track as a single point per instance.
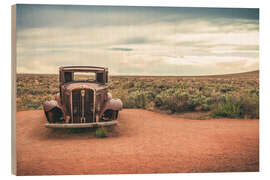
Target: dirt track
(144, 142)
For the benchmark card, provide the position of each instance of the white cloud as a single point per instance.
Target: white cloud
(247, 38)
(143, 49)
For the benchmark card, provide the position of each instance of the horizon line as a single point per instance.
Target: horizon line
(154, 75)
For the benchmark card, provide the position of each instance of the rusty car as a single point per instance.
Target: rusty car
(83, 100)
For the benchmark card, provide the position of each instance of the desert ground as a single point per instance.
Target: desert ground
(143, 142)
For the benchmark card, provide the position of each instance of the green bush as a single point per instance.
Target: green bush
(137, 99)
(230, 107)
(250, 106)
(235, 107)
(101, 132)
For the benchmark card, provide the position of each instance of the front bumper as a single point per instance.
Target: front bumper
(81, 125)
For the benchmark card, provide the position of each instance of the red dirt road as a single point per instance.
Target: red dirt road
(143, 142)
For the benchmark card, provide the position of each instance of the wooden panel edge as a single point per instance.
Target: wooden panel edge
(13, 90)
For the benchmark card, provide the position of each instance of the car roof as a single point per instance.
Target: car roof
(83, 68)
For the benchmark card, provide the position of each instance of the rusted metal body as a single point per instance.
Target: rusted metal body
(81, 104)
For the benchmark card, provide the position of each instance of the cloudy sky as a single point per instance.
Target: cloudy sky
(138, 40)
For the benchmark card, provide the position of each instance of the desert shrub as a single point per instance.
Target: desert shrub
(235, 107)
(31, 103)
(226, 88)
(174, 100)
(166, 100)
(101, 132)
(229, 107)
(179, 101)
(206, 107)
(250, 106)
(193, 102)
(202, 117)
(20, 90)
(128, 85)
(172, 94)
(137, 99)
(254, 91)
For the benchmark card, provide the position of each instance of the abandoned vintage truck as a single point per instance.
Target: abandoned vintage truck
(83, 100)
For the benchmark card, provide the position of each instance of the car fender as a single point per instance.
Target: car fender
(111, 104)
(114, 104)
(49, 105)
(54, 112)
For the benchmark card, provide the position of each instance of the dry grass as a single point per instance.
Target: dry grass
(235, 95)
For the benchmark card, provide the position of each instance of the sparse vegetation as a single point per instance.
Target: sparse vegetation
(201, 118)
(101, 132)
(234, 96)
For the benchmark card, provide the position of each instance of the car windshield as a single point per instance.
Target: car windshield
(84, 76)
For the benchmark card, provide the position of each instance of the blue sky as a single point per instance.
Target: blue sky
(138, 40)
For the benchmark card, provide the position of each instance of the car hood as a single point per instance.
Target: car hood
(87, 85)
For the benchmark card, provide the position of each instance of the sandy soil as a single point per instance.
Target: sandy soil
(143, 142)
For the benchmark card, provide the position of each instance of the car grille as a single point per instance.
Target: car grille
(82, 106)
